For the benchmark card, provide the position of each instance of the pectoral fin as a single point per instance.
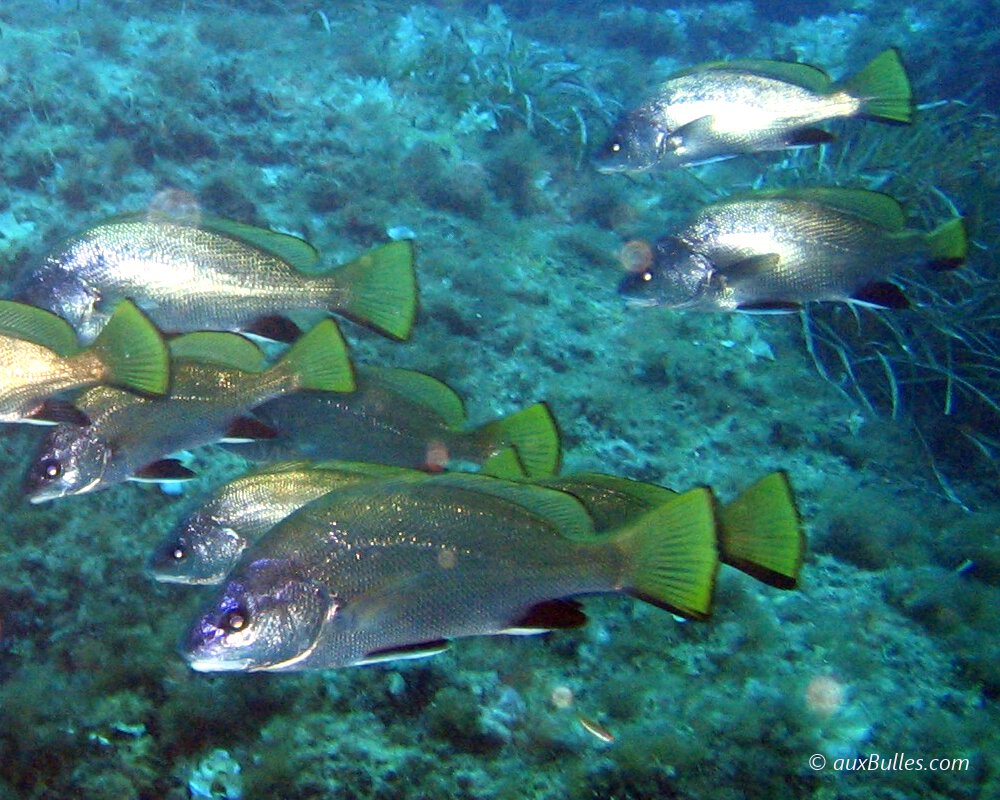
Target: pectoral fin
(548, 616)
(420, 650)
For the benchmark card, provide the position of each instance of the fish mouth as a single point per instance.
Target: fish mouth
(640, 302)
(40, 496)
(210, 664)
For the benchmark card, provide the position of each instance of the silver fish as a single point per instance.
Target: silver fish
(396, 568)
(215, 274)
(206, 544)
(129, 435)
(774, 251)
(408, 419)
(721, 109)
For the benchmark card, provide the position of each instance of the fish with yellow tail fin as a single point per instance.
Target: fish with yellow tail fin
(40, 358)
(216, 274)
(407, 419)
(206, 544)
(773, 251)
(216, 379)
(727, 108)
(398, 568)
(759, 532)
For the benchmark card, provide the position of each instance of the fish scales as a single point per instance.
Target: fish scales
(821, 252)
(404, 567)
(194, 278)
(32, 371)
(738, 101)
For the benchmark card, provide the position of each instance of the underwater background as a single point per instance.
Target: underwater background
(470, 127)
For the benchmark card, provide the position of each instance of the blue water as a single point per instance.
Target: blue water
(471, 126)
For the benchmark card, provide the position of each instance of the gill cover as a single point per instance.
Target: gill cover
(677, 277)
(70, 461)
(267, 618)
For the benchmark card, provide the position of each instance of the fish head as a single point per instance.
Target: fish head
(67, 295)
(267, 617)
(201, 550)
(636, 144)
(677, 277)
(71, 460)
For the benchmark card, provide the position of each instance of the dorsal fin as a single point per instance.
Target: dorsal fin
(217, 347)
(559, 508)
(292, 250)
(876, 208)
(609, 499)
(419, 388)
(804, 75)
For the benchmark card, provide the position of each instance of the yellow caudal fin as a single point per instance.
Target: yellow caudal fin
(533, 434)
(319, 361)
(381, 289)
(883, 89)
(504, 464)
(673, 554)
(760, 533)
(949, 244)
(133, 351)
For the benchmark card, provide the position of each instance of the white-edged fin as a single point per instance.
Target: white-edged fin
(546, 616)
(422, 650)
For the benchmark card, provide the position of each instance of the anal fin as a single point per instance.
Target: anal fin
(163, 471)
(276, 328)
(243, 430)
(549, 615)
(881, 294)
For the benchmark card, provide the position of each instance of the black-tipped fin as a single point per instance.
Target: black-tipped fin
(549, 615)
(247, 429)
(760, 533)
(276, 328)
(807, 137)
(166, 470)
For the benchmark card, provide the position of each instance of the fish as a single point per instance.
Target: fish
(398, 568)
(217, 274)
(774, 251)
(204, 546)
(409, 419)
(216, 377)
(723, 109)
(41, 358)
(760, 532)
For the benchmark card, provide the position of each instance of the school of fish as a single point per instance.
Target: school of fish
(379, 522)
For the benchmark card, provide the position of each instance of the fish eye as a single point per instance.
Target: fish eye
(51, 468)
(233, 621)
(615, 147)
(647, 276)
(178, 553)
